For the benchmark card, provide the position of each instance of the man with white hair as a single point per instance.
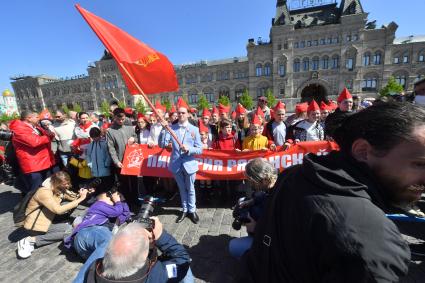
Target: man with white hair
(128, 257)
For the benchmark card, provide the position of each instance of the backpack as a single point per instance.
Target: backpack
(20, 208)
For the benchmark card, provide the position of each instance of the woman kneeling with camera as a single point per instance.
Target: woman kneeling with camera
(42, 208)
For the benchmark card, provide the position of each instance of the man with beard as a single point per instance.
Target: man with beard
(326, 219)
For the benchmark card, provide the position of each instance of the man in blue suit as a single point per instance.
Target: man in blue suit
(183, 164)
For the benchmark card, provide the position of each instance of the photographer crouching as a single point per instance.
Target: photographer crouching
(131, 255)
(91, 236)
(261, 176)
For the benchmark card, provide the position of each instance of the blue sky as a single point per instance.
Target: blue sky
(50, 37)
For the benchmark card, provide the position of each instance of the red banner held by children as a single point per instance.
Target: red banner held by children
(215, 164)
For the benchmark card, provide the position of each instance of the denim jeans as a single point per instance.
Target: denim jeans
(188, 278)
(186, 184)
(239, 246)
(90, 243)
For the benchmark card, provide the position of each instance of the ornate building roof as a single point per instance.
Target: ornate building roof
(410, 39)
(7, 93)
(315, 15)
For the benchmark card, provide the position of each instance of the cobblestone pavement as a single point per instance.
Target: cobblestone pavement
(206, 242)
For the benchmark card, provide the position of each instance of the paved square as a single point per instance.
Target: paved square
(206, 242)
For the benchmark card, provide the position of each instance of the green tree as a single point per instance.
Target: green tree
(392, 87)
(271, 99)
(65, 109)
(6, 118)
(140, 106)
(246, 100)
(121, 104)
(104, 108)
(203, 103)
(77, 108)
(166, 102)
(224, 100)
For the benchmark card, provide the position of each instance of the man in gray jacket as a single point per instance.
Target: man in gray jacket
(118, 136)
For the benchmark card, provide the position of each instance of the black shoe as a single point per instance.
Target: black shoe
(194, 217)
(181, 217)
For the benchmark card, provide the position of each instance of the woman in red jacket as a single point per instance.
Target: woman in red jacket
(226, 140)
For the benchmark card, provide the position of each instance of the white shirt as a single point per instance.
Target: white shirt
(279, 133)
(311, 130)
(154, 133)
(144, 136)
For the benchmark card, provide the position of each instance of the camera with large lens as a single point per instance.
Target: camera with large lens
(241, 212)
(146, 210)
(5, 135)
(93, 184)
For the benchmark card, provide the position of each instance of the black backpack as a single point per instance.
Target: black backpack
(20, 209)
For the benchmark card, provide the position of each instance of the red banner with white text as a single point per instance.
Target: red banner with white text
(217, 164)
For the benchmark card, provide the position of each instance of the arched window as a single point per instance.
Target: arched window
(401, 78)
(224, 91)
(315, 64)
(377, 58)
(335, 62)
(350, 59)
(282, 69)
(306, 64)
(239, 90)
(193, 96)
(325, 62)
(262, 89)
(209, 94)
(259, 70)
(297, 65)
(268, 70)
(366, 59)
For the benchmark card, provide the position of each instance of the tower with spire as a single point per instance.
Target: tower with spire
(282, 13)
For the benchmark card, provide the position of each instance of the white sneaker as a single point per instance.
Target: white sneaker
(25, 247)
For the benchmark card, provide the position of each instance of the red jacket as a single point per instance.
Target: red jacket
(33, 149)
(226, 143)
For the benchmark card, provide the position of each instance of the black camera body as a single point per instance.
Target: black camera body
(241, 212)
(146, 210)
(6, 135)
(93, 184)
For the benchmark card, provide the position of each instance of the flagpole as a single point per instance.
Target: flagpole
(172, 133)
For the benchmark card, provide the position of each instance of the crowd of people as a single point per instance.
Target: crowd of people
(63, 160)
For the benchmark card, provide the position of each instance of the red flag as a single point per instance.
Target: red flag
(152, 71)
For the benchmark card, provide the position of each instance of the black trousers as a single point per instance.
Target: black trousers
(128, 187)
